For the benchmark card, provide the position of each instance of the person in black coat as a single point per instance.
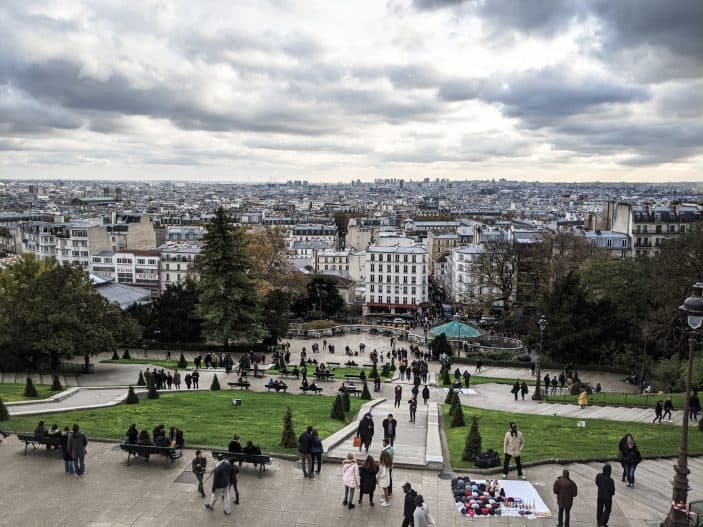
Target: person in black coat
(67, 459)
(389, 428)
(408, 504)
(365, 431)
(606, 490)
(199, 467)
(220, 485)
(367, 477)
(132, 434)
(631, 457)
(305, 450)
(425, 394)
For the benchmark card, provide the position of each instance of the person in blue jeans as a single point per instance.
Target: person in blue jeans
(631, 457)
(76, 449)
(67, 460)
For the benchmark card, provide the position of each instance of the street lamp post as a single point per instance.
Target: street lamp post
(678, 514)
(537, 396)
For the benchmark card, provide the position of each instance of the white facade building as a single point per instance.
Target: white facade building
(140, 268)
(396, 279)
(460, 282)
(178, 262)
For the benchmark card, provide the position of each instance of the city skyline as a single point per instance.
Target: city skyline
(544, 91)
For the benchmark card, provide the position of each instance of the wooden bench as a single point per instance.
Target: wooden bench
(352, 377)
(352, 391)
(316, 389)
(325, 376)
(256, 373)
(277, 388)
(134, 450)
(31, 439)
(333, 364)
(241, 385)
(260, 460)
(367, 365)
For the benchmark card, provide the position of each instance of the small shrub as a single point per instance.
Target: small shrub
(386, 370)
(29, 389)
(456, 403)
(215, 386)
(472, 447)
(182, 362)
(458, 417)
(132, 398)
(365, 393)
(153, 392)
(288, 439)
(115, 356)
(338, 409)
(450, 396)
(140, 381)
(4, 414)
(126, 355)
(56, 384)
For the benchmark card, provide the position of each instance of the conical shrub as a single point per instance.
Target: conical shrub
(450, 396)
(4, 414)
(215, 386)
(374, 371)
(132, 398)
(365, 393)
(153, 392)
(288, 439)
(456, 403)
(56, 384)
(472, 446)
(458, 417)
(182, 362)
(126, 355)
(338, 409)
(29, 389)
(140, 381)
(115, 356)
(446, 379)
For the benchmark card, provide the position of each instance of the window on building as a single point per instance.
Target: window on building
(405, 290)
(624, 243)
(373, 257)
(610, 242)
(371, 299)
(371, 288)
(372, 267)
(405, 257)
(388, 299)
(397, 268)
(414, 270)
(141, 261)
(397, 300)
(413, 258)
(412, 290)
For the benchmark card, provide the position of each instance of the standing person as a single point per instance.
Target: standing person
(583, 399)
(606, 490)
(523, 390)
(668, 408)
(566, 491)
(350, 479)
(421, 514)
(365, 431)
(76, 448)
(233, 472)
(177, 379)
(188, 379)
(631, 457)
(383, 478)
(398, 392)
(389, 428)
(694, 406)
(478, 366)
(513, 443)
(467, 378)
(515, 390)
(367, 476)
(554, 385)
(425, 394)
(408, 504)
(658, 411)
(305, 449)
(195, 378)
(199, 466)
(621, 450)
(390, 450)
(220, 485)
(413, 409)
(316, 450)
(67, 460)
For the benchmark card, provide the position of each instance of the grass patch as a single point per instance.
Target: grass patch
(620, 399)
(206, 418)
(548, 437)
(15, 392)
(166, 364)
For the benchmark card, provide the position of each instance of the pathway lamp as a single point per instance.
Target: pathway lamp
(537, 396)
(678, 514)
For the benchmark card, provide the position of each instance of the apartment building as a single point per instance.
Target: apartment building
(308, 232)
(461, 284)
(140, 268)
(439, 245)
(71, 242)
(178, 262)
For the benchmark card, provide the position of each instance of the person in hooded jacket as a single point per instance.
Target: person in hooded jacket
(566, 491)
(365, 432)
(367, 475)
(408, 504)
(631, 457)
(606, 490)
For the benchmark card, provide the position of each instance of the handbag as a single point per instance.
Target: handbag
(356, 442)
(430, 519)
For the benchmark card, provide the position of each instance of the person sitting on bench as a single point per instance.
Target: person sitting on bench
(296, 372)
(281, 386)
(313, 386)
(179, 441)
(40, 430)
(252, 449)
(132, 434)
(235, 446)
(271, 383)
(161, 440)
(144, 439)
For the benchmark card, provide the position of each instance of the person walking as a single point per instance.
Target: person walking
(365, 431)
(606, 490)
(631, 457)
(316, 450)
(383, 478)
(413, 409)
(408, 504)
(658, 411)
(350, 479)
(398, 393)
(195, 378)
(515, 389)
(583, 399)
(199, 466)
(694, 406)
(389, 428)
(233, 484)
(76, 449)
(524, 390)
(668, 408)
(220, 485)
(513, 443)
(367, 478)
(390, 450)
(566, 491)
(305, 448)
(421, 514)
(621, 449)
(425, 394)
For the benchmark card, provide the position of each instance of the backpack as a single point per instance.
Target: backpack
(488, 459)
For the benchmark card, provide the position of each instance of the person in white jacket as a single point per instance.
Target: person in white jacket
(513, 443)
(350, 479)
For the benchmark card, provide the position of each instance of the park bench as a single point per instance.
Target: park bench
(288, 373)
(316, 389)
(260, 460)
(353, 377)
(324, 375)
(368, 365)
(240, 385)
(256, 373)
(277, 388)
(134, 450)
(31, 439)
(333, 365)
(352, 391)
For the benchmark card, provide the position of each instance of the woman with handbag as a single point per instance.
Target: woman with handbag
(422, 516)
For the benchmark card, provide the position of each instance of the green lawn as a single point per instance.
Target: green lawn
(166, 364)
(559, 438)
(206, 418)
(620, 399)
(15, 392)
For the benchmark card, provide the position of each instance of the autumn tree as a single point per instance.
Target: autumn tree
(495, 269)
(270, 266)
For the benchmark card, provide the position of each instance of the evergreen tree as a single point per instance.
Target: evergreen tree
(175, 314)
(338, 409)
(440, 345)
(126, 355)
(450, 396)
(458, 417)
(153, 392)
(472, 447)
(288, 438)
(215, 386)
(228, 305)
(182, 362)
(56, 384)
(132, 398)
(115, 356)
(141, 382)
(4, 414)
(456, 403)
(276, 315)
(386, 370)
(365, 393)
(346, 401)
(374, 371)
(29, 389)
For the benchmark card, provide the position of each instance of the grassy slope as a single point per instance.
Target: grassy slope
(15, 392)
(559, 438)
(207, 418)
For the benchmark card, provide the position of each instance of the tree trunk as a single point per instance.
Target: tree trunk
(54, 361)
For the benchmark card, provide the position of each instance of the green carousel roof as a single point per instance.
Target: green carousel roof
(456, 330)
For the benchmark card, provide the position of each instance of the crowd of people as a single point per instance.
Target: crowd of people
(158, 437)
(72, 443)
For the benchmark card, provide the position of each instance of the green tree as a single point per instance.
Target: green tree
(440, 345)
(182, 362)
(450, 396)
(288, 438)
(175, 314)
(132, 398)
(4, 414)
(276, 314)
(126, 355)
(29, 389)
(346, 401)
(338, 409)
(215, 386)
(365, 393)
(446, 379)
(228, 303)
(458, 417)
(456, 403)
(140, 381)
(56, 384)
(322, 297)
(472, 447)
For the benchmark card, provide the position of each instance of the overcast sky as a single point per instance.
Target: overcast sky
(550, 90)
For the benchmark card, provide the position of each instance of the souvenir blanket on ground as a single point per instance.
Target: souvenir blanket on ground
(485, 498)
